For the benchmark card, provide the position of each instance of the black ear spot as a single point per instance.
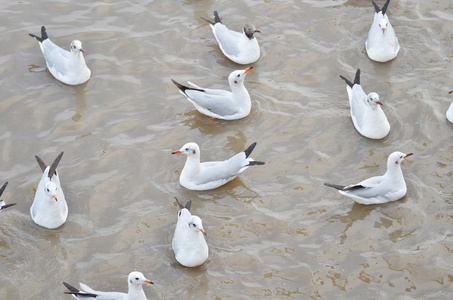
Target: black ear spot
(130, 281)
(193, 151)
(235, 81)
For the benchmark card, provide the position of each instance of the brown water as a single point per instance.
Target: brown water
(274, 233)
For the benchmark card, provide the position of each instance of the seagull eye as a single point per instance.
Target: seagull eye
(48, 190)
(187, 149)
(239, 75)
(136, 278)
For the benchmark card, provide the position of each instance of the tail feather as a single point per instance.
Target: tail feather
(384, 8)
(43, 35)
(335, 186)
(3, 188)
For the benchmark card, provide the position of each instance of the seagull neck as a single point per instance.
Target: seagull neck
(135, 292)
(394, 170)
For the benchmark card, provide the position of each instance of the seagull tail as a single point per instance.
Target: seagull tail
(74, 291)
(335, 186)
(256, 163)
(183, 88)
(43, 35)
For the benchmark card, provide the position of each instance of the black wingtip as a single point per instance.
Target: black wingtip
(256, 163)
(41, 164)
(181, 206)
(384, 8)
(357, 77)
(2, 189)
(376, 7)
(216, 17)
(209, 21)
(43, 35)
(335, 186)
(54, 165)
(249, 149)
(347, 81)
(70, 288)
(7, 205)
(183, 88)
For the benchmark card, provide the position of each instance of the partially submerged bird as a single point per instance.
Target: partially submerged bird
(450, 111)
(3, 205)
(221, 104)
(212, 174)
(49, 208)
(382, 44)
(240, 47)
(135, 291)
(379, 189)
(188, 241)
(366, 113)
(67, 66)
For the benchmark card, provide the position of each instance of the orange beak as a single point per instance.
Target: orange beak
(451, 92)
(247, 70)
(55, 197)
(409, 154)
(202, 230)
(176, 152)
(148, 281)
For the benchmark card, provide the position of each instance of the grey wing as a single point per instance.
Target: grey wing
(358, 104)
(216, 101)
(228, 40)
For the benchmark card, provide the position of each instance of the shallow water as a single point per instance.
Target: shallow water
(274, 233)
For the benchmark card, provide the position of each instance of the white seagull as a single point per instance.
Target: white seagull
(379, 189)
(49, 208)
(382, 44)
(3, 205)
(221, 104)
(242, 48)
(67, 66)
(210, 175)
(135, 292)
(450, 111)
(188, 241)
(366, 113)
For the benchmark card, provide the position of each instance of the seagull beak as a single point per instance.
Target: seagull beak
(176, 152)
(379, 102)
(55, 197)
(409, 154)
(148, 281)
(202, 230)
(451, 92)
(82, 50)
(257, 31)
(247, 70)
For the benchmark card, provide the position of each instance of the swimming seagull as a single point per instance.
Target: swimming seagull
(450, 111)
(210, 175)
(379, 189)
(49, 208)
(135, 291)
(242, 48)
(3, 205)
(382, 44)
(218, 103)
(188, 241)
(366, 113)
(67, 66)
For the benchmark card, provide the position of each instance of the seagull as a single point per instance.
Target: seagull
(49, 208)
(366, 113)
(379, 189)
(188, 241)
(221, 104)
(210, 175)
(242, 48)
(382, 44)
(450, 111)
(3, 205)
(67, 66)
(135, 292)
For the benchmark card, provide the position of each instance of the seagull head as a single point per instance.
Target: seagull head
(373, 98)
(76, 46)
(137, 278)
(51, 190)
(250, 30)
(188, 149)
(383, 23)
(396, 158)
(196, 224)
(237, 77)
